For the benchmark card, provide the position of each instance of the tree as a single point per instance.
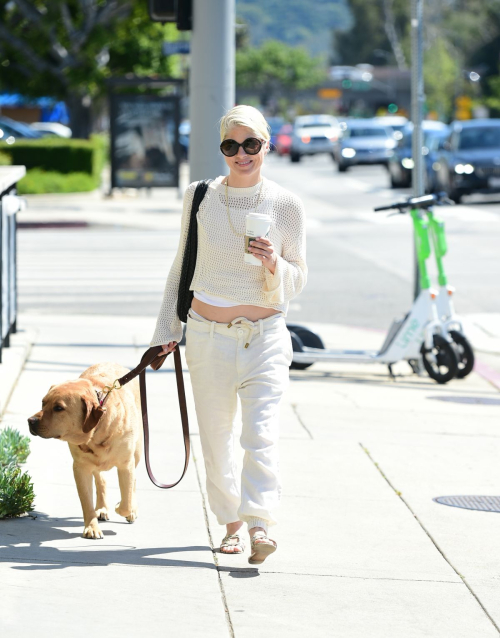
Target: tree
(377, 26)
(67, 49)
(275, 69)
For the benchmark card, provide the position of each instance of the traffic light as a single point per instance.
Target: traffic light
(178, 11)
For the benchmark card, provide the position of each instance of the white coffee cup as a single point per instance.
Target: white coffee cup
(257, 225)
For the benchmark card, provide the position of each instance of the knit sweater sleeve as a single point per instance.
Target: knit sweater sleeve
(168, 325)
(290, 275)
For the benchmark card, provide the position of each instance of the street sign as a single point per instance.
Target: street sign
(329, 93)
(173, 48)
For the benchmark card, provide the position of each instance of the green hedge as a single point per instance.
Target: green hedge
(61, 155)
(38, 182)
(16, 488)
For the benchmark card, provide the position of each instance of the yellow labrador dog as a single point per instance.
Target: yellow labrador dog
(98, 441)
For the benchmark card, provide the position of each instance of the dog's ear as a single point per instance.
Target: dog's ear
(92, 412)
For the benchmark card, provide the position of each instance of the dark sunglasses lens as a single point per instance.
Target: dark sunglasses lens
(252, 145)
(229, 147)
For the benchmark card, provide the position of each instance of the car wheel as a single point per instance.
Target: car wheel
(295, 157)
(341, 167)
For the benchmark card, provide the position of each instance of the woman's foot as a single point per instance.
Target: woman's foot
(261, 545)
(232, 542)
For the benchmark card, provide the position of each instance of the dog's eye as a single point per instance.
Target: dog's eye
(58, 408)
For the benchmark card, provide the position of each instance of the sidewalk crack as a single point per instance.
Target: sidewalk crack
(210, 540)
(434, 542)
(299, 418)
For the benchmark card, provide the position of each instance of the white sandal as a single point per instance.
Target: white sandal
(232, 540)
(262, 549)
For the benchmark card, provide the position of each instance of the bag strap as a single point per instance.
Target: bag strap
(150, 357)
(184, 297)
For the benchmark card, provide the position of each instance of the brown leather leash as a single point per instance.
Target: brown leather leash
(151, 358)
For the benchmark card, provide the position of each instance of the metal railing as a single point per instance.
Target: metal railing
(10, 204)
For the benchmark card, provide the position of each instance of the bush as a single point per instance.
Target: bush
(37, 182)
(13, 445)
(61, 155)
(4, 159)
(16, 488)
(16, 492)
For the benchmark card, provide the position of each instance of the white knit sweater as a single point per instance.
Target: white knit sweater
(220, 269)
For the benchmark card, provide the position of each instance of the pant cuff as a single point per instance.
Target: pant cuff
(257, 522)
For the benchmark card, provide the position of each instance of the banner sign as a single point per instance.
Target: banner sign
(144, 141)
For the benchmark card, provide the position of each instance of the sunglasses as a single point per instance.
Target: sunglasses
(251, 146)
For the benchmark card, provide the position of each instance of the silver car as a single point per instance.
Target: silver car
(313, 134)
(364, 141)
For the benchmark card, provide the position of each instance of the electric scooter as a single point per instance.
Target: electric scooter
(444, 301)
(420, 336)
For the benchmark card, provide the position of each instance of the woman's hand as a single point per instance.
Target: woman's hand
(168, 348)
(262, 248)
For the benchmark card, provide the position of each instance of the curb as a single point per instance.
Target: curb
(13, 360)
(487, 373)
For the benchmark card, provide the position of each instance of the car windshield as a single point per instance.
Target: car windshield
(313, 124)
(479, 137)
(432, 138)
(368, 132)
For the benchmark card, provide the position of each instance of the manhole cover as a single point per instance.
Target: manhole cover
(481, 503)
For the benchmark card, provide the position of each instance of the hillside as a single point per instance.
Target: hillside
(297, 22)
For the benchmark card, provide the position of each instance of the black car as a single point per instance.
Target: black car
(469, 161)
(401, 161)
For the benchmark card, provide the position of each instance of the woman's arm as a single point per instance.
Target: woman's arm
(168, 325)
(288, 274)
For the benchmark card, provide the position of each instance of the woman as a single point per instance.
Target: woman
(237, 343)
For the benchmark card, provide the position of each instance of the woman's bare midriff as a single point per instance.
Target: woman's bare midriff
(225, 315)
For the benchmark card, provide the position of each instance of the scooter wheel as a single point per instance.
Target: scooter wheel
(298, 346)
(301, 337)
(465, 353)
(440, 362)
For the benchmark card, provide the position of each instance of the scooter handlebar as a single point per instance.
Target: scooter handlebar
(426, 201)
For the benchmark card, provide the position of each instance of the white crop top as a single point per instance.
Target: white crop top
(212, 300)
(220, 269)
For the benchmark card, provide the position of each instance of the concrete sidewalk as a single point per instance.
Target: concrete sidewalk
(363, 549)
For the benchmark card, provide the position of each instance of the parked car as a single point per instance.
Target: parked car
(10, 130)
(401, 161)
(313, 134)
(275, 124)
(54, 129)
(364, 141)
(469, 160)
(397, 122)
(284, 140)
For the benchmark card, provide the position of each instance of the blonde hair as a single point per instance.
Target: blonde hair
(247, 116)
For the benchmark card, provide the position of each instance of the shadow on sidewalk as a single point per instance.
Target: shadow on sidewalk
(31, 533)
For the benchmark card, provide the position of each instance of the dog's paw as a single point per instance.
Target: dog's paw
(102, 514)
(92, 530)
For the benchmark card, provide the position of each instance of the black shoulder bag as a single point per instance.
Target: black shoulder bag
(185, 296)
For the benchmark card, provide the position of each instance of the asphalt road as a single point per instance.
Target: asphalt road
(360, 263)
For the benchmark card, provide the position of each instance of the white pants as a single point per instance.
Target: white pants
(249, 360)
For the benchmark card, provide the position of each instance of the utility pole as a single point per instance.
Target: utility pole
(417, 106)
(211, 86)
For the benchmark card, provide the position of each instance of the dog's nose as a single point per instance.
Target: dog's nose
(33, 422)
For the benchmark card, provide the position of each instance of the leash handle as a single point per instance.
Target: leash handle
(150, 357)
(184, 418)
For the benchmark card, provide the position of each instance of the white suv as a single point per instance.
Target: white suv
(314, 134)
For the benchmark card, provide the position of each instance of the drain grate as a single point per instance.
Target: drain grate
(480, 503)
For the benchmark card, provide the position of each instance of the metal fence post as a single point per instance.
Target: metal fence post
(417, 105)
